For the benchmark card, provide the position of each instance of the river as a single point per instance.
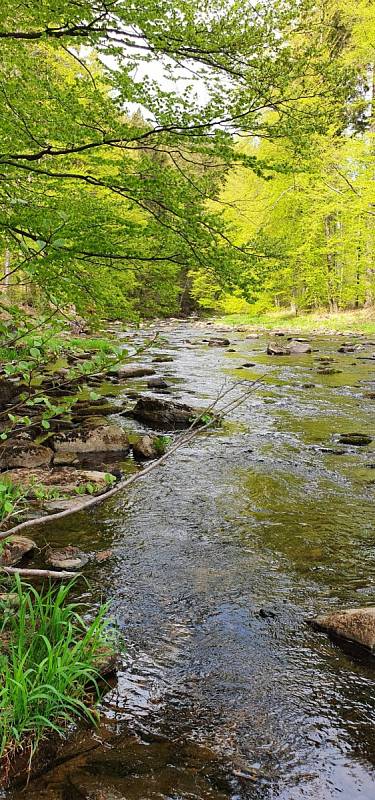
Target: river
(221, 556)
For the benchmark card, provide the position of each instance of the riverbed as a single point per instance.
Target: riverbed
(220, 558)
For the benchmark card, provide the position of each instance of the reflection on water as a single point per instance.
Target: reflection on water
(220, 557)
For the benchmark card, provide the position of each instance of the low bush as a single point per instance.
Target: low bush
(49, 659)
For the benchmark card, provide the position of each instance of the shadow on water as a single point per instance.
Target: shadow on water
(219, 560)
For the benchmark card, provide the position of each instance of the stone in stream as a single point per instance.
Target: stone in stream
(63, 480)
(217, 342)
(299, 347)
(95, 409)
(14, 550)
(354, 624)
(134, 371)
(66, 558)
(274, 349)
(145, 448)
(157, 383)
(103, 555)
(16, 453)
(105, 439)
(349, 348)
(248, 364)
(328, 371)
(162, 359)
(67, 504)
(164, 414)
(356, 439)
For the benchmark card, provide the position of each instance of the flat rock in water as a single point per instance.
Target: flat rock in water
(66, 558)
(217, 342)
(157, 383)
(348, 348)
(297, 347)
(23, 453)
(162, 359)
(102, 409)
(105, 439)
(164, 414)
(134, 371)
(57, 506)
(328, 371)
(274, 349)
(354, 624)
(63, 480)
(356, 439)
(14, 549)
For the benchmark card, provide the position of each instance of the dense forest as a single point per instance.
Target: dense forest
(214, 160)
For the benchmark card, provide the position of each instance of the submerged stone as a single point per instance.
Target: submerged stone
(66, 558)
(356, 439)
(134, 371)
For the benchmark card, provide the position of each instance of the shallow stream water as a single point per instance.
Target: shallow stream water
(220, 557)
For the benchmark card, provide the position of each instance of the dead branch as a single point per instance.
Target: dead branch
(182, 440)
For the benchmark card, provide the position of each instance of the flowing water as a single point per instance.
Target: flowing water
(219, 559)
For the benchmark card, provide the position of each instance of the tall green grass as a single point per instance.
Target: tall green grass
(49, 659)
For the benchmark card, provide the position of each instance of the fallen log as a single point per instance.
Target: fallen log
(38, 573)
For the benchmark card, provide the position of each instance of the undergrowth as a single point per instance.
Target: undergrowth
(49, 657)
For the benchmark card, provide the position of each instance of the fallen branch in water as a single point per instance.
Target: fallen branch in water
(192, 432)
(38, 573)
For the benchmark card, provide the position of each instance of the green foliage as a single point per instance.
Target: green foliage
(109, 211)
(161, 444)
(49, 658)
(10, 497)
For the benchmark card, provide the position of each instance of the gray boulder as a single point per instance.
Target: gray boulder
(274, 349)
(164, 414)
(103, 439)
(62, 481)
(23, 453)
(134, 371)
(354, 624)
(298, 347)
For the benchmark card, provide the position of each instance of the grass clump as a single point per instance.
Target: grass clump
(49, 656)
(361, 321)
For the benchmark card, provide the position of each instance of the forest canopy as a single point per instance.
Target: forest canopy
(160, 155)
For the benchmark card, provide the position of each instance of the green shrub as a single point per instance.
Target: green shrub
(50, 658)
